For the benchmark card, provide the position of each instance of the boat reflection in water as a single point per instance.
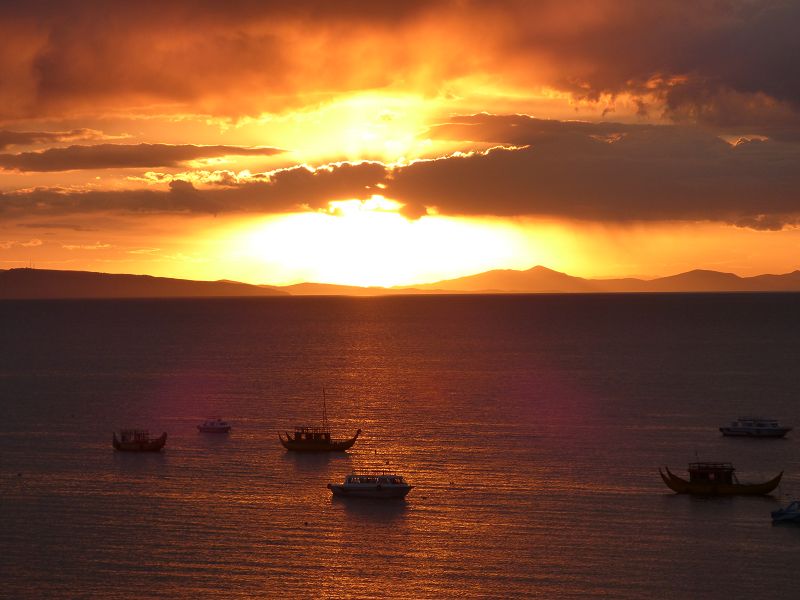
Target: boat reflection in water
(371, 485)
(716, 479)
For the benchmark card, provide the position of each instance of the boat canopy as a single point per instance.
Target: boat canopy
(717, 472)
(301, 429)
(134, 435)
(372, 478)
(755, 422)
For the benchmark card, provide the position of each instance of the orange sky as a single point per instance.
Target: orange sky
(374, 144)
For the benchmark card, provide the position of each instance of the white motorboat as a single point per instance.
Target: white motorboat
(214, 425)
(371, 485)
(788, 513)
(755, 427)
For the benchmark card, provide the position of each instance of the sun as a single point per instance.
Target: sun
(369, 243)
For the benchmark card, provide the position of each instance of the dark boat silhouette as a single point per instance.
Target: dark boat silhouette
(758, 427)
(316, 439)
(371, 485)
(716, 479)
(138, 440)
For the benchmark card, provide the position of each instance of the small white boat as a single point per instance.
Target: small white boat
(371, 485)
(755, 427)
(788, 513)
(214, 425)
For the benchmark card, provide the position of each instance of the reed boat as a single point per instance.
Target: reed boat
(716, 479)
(371, 485)
(137, 440)
(316, 438)
(759, 427)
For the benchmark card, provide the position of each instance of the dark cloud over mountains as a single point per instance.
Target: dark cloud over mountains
(728, 63)
(608, 172)
(605, 172)
(29, 138)
(711, 67)
(121, 156)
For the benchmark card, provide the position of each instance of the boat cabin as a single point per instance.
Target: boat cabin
(134, 435)
(711, 472)
(374, 479)
(755, 422)
(311, 434)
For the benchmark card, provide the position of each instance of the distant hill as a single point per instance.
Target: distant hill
(538, 279)
(44, 283)
(541, 279)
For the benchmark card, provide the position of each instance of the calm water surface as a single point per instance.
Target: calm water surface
(532, 426)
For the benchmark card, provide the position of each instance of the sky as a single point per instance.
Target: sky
(377, 143)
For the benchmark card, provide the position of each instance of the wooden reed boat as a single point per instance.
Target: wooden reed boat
(137, 440)
(716, 479)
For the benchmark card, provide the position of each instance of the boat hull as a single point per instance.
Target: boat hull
(681, 486)
(395, 491)
(771, 433)
(318, 445)
(148, 446)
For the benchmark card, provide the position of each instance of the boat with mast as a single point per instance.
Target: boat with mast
(316, 438)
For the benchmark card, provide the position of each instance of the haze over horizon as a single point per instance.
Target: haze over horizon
(391, 145)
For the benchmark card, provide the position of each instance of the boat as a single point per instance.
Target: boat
(790, 513)
(371, 485)
(755, 427)
(214, 425)
(716, 479)
(316, 439)
(138, 440)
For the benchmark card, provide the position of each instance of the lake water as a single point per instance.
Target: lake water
(532, 427)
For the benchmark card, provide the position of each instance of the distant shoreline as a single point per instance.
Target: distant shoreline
(36, 284)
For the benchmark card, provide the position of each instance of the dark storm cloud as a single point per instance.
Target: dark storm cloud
(121, 156)
(731, 63)
(289, 190)
(607, 172)
(29, 138)
(244, 56)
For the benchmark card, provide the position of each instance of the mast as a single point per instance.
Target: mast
(324, 410)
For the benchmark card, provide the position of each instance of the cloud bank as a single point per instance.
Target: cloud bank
(29, 138)
(121, 156)
(726, 63)
(606, 172)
